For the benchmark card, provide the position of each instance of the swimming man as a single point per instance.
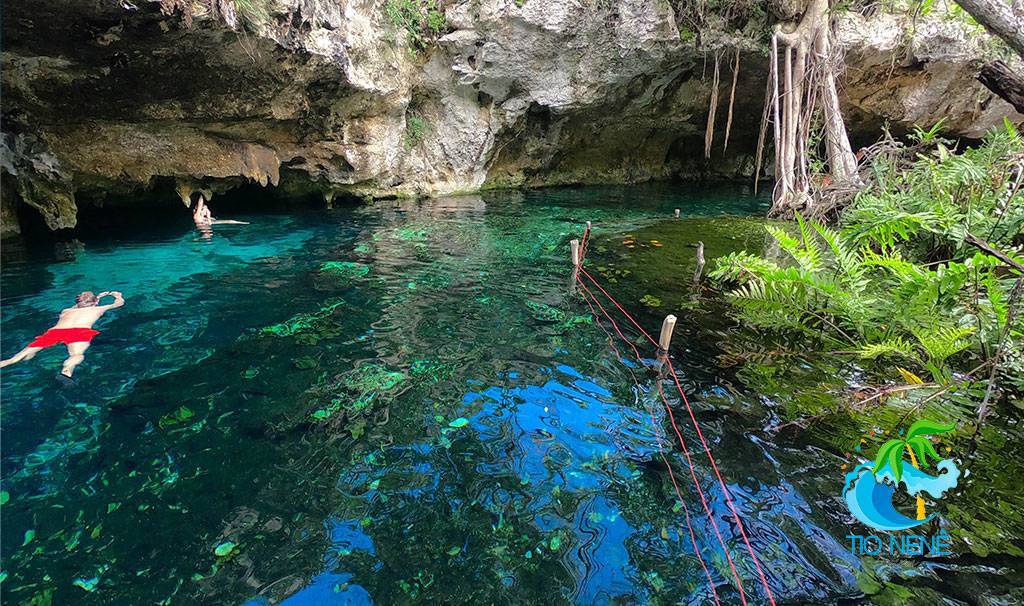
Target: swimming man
(73, 328)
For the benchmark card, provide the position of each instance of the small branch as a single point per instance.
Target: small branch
(995, 252)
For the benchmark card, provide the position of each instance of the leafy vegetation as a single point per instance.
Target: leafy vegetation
(416, 130)
(922, 272)
(422, 20)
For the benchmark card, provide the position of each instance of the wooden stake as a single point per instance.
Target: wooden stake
(667, 326)
(700, 264)
(677, 213)
(574, 251)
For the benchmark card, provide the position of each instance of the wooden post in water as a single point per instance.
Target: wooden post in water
(700, 263)
(574, 251)
(667, 326)
(677, 213)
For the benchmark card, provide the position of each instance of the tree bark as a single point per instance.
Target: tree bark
(1003, 81)
(999, 18)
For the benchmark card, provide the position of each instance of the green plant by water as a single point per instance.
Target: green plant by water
(905, 280)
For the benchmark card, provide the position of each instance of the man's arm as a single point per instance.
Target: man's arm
(118, 300)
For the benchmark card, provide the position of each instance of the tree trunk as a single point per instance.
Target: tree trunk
(999, 18)
(1003, 81)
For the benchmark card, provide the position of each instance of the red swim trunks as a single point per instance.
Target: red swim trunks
(64, 335)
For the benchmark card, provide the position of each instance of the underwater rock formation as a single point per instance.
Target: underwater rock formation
(334, 96)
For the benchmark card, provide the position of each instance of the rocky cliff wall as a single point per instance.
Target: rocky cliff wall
(105, 98)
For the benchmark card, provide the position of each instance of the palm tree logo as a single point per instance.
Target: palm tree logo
(916, 444)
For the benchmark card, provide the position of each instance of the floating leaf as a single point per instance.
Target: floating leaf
(29, 535)
(555, 543)
(454, 551)
(87, 584)
(4, 497)
(184, 413)
(225, 549)
(460, 422)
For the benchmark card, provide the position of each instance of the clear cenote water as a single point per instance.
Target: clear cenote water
(387, 404)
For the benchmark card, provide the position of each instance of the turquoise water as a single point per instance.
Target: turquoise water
(396, 403)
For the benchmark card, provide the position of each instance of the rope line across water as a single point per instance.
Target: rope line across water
(700, 434)
(658, 439)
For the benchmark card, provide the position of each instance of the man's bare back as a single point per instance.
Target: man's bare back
(73, 328)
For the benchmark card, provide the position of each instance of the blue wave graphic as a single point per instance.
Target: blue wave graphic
(869, 497)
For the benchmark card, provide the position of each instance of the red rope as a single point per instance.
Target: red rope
(682, 443)
(624, 312)
(725, 490)
(700, 434)
(686, 452)
(661, 448)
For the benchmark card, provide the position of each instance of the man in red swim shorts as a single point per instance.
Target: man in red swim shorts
(74, 329)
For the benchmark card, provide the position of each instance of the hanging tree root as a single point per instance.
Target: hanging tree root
(732, 100)
(709, 133)
(808, 75)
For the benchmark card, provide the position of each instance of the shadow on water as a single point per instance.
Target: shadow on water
(395, 403)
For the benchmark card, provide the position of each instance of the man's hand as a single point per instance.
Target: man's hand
(118, 299)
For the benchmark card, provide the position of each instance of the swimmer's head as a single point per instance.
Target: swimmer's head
(86, 299)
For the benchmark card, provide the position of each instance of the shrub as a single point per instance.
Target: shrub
(423, 21)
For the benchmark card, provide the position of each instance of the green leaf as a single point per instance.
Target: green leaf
(896, 463)
(460, 422)
(929, 449)
(916, 444)
(926, 427)
(883, 453)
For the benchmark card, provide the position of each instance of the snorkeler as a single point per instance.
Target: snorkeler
(202, 216)
(73, 328)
